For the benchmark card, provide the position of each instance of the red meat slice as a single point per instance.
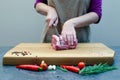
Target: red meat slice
(59, 44)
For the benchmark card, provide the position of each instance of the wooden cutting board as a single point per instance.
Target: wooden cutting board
(90, 53)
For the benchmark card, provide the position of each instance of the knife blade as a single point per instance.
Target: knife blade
(56, 32)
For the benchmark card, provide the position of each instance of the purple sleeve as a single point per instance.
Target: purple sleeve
(38, 1)
(96, 6)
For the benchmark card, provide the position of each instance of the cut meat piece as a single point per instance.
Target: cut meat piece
(59, 44)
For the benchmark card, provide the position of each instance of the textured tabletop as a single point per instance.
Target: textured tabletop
(12, 73)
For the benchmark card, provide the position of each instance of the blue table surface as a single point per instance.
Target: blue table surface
(12, 73)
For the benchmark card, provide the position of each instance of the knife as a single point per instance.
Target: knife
(56, 32)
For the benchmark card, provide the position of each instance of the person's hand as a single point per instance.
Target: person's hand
(68, 32)
(52, 17)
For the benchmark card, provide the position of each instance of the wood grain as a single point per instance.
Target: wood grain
(90, 53)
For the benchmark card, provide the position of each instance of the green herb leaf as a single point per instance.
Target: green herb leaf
(97, 69)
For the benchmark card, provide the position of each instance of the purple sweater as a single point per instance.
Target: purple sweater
(95, 6)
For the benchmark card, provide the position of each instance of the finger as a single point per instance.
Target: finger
(56, 22)
(69, 39)
(64, 36)
(74, 38)
(51, 23)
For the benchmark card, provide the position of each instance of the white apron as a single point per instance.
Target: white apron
(66, 10)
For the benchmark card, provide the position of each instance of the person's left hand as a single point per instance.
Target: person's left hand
(68, 32)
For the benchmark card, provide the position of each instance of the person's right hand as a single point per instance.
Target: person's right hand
(52, 17)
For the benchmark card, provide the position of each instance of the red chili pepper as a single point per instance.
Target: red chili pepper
(30, 67)
(71, 68)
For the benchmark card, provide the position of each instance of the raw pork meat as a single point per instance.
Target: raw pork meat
(59, 44)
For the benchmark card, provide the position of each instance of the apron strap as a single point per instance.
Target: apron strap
(43, 34)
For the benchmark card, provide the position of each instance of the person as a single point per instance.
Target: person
(72, 18)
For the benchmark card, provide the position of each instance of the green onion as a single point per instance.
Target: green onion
(65, 70)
